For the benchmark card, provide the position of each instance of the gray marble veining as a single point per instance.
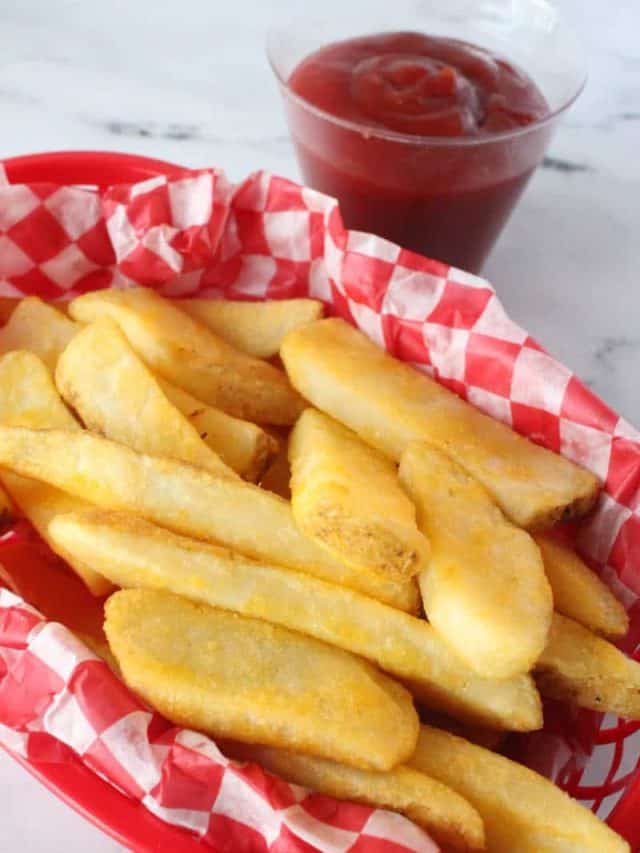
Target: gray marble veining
(189, 82)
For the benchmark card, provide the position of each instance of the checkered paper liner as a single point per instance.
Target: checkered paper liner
(269, 238)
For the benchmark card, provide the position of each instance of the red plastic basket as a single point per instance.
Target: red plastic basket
(99, 168)
(124, 819)
(458, 308)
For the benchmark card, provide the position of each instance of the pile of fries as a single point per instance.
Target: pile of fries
(315, 553)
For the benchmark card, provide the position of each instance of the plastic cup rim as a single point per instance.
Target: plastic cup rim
(415, 139)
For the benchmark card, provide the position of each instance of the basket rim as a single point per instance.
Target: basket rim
(100, 168)
(127, 821)
(123, 819)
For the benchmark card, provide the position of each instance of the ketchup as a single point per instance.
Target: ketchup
(421, 148)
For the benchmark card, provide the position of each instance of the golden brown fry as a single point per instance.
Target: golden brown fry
(190, 356)
(101, 649)
(256, 328)
(448, 818)
(484, 590)
(28, 397)
(39, 328)
(346, 496)
(277, 477)
(585, 670)
(41, 503)
(505, 704)
(185, 499)
(579, 593)
(389, 404)
(522, 811)
(134, 553)
(116, 395)
(243, 678)
(491, 739)
(241, 445)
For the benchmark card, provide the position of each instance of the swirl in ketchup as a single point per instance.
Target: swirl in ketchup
(401, 158)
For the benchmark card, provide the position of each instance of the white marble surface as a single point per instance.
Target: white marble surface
(188, 82)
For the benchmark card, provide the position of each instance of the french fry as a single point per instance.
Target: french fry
(185, 499)
(522, 811)
(389, 404)
(190, 356)
(346, 496)
(582, 669)
(491, 739)
(40, 504)
(39, 328)
(242, 678)
(477, 702)
(102, 650)
(277, 477)
(256, 328)
(243, 446)
(28, 397)
(115, 394)
(579, 593)
(484, 590)
(448, 818)
(134, 553)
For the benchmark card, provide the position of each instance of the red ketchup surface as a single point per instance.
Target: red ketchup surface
(422, 151)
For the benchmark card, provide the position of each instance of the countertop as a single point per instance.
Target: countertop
(189, 82)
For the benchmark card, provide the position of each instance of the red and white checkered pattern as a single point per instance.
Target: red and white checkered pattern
(150, 232)
(269, 238)
(53, 689)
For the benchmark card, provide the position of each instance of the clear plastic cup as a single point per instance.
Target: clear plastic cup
(446, 197)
